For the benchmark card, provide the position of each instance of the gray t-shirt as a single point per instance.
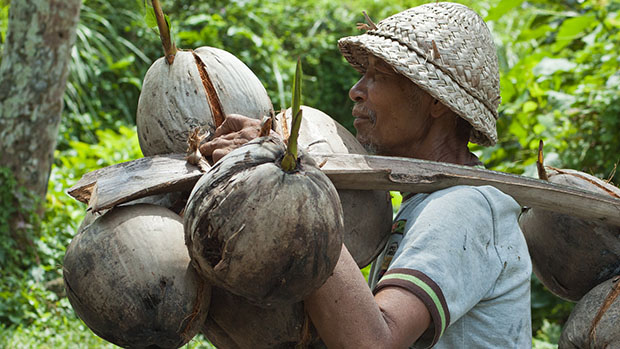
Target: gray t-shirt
(460, 250)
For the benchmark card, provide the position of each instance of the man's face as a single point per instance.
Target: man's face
(392, 114)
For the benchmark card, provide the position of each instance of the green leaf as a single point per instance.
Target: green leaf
(548, 66)
(529, 106)
(149, 15)
(571, 29)
(168, 24)
(502, 8)
(538, 32)
(289, 162)
(538, 129)
(516, 129)
(296, 103)
(201, 18)
(122, 63)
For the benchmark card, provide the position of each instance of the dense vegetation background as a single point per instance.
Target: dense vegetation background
(560, 83)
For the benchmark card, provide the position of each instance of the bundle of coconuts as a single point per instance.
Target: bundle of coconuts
(264, 222)
(265, 213)
(127, 273)
(570, 255)
(236, 322)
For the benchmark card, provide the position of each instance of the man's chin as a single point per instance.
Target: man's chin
(370, 148)
(367, 144)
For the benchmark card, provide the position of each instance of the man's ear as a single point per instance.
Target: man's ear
(438, 109)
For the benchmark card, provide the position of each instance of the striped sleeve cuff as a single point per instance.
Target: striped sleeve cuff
(426, 290)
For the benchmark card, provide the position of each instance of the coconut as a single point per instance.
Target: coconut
(233, 322)
(367, 213)
(200, 85)
(261, 232)
(571, 255)
(128, 276)
(593, 323)
(174, 201)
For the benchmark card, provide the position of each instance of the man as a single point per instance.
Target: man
(456, 271)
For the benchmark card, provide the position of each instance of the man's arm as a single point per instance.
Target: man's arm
(347, 315)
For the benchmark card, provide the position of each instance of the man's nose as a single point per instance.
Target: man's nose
(358, 92)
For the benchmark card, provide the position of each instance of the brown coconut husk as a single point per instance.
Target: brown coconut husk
(263, 233)
(570, 255)
(198, 89)
(594, 322)
(128, 276)
(234, 322)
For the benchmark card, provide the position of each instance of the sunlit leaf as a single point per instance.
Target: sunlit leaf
(502, 8)
(548, 66)
(529, 106)
(573, 28)
(123, 63)
(201, 18)
(149, 15)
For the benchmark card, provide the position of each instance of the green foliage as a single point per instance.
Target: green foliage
(30, 288)
(65, 330)
(560, 83)
(262, 35)
(150, 19)
(4, 22)
(547, 336)
(547, 307)
(113, 50)
(61, 330)
(149, 15)
(19, 223)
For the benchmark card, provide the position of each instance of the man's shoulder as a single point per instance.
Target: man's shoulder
(487, 191)
(470, 195)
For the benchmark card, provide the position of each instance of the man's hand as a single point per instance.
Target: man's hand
(235, 131)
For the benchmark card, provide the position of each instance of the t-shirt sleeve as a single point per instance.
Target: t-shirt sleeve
(447, 257)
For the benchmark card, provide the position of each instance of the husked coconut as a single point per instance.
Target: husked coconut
(258, 231)
(367, 213)
(571, 255)
(233, 322)
(129, 277)
(199, 87)
(595, 320)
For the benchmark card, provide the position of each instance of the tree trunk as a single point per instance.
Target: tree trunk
(33, 76)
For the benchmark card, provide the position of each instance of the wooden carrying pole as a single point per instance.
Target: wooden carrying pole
(105, 188)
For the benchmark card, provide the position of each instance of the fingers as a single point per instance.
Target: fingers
(208, 148)
(235, 131)
(223, 145)
(235, 123)
(220, 153)
(226, 146)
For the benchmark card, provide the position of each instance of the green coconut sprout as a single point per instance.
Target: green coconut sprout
(289, 162)
(157, 16)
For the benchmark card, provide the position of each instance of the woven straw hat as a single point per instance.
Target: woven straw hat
(447, 50)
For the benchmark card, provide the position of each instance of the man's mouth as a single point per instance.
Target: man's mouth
(362, 112)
